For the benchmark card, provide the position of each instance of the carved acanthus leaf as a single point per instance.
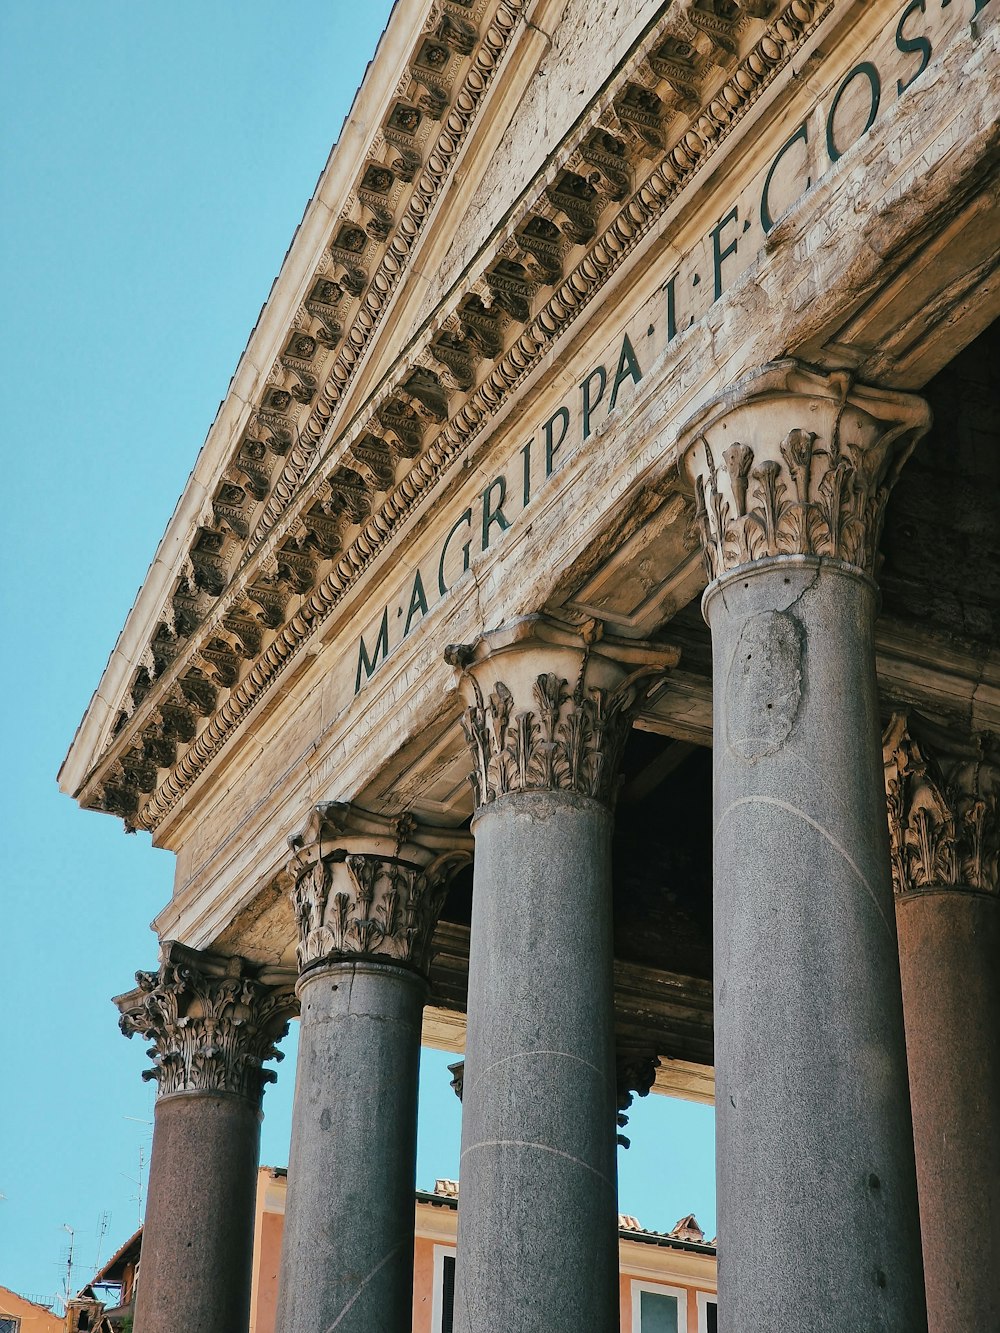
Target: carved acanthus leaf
(635, 1076)
(570, 738)
(607, 165)
(578, 201)
(944, 820)
(778, 489)
(209, 1032)
(540, 245)
(382, 908)
(295, 568)
(375, 896)
(483, 327)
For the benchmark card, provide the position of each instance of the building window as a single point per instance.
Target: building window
(708, 1313)
(658, 1309)
(443, 1309)
(8, 1324)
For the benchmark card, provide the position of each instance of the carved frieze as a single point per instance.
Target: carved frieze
(942, 799)
(551, 709)
(211, 1024)
(794, 461)
(367, 887)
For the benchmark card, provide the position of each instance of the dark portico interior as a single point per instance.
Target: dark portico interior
(940, 584)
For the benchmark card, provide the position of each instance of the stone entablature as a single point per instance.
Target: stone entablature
(346, 744)
(211, 1021)
(943, 800)
(236, 652)
(369, 887)
(673, 381)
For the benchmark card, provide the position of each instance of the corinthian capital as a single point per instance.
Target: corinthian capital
(795, 461)
(550, 709)
(942, 798)
(211, 1024)
(366, 886)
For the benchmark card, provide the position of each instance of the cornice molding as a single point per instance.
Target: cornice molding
(647, 130)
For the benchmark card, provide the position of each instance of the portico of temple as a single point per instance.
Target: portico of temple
(577, 646)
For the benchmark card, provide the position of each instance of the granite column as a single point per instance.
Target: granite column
(818, 1223)
(944, 832)
(367, 893)
(211, 1024)
(549, 712)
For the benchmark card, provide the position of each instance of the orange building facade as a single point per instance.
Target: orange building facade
(667, 1283)
(18, 1314)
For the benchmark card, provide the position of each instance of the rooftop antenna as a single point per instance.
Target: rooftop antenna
(102, 1231)
(68, 1279)
(139, 1182)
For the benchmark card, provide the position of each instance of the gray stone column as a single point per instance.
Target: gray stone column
(944, 833)
(817, 1204)
(212, 1025)
(367, 894)
(537, 1225)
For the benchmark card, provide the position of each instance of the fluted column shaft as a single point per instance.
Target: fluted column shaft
(367, 895)
(816, 1185)
(537, 1224)
(945, 836)
(211, 1027)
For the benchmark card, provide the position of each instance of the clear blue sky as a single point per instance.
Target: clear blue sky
(155, 162)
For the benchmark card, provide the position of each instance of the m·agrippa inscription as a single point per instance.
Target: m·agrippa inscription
(507, 495)
(857, 94)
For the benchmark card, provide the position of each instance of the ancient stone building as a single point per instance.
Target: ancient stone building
(597, 540)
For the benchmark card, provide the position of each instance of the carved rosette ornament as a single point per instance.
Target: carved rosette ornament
(368, 887)
(212, 1024)
(942, 802)
(551, 707)
(797, 461)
